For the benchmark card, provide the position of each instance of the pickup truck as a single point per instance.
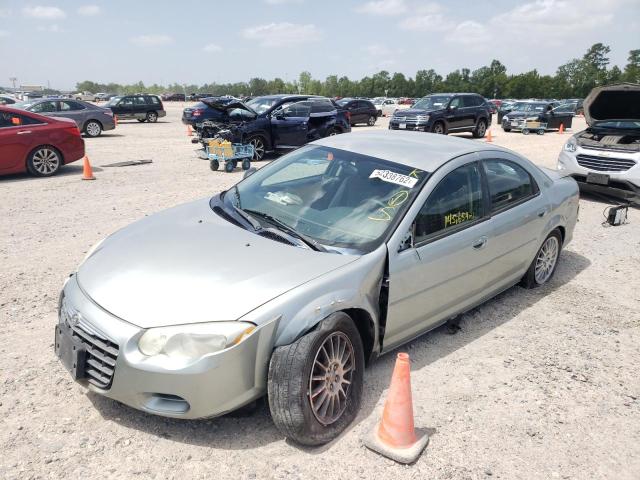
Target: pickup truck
(85, 96)
(271, 122)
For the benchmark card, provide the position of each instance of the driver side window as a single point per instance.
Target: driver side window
(455, 202)
(297, 110)
(456, 102)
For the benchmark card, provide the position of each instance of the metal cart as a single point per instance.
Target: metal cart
(239, 153)
(528, 125)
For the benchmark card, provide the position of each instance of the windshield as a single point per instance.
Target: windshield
(432, 102)
(262, 104)
(336, 198)
(343, 102)
(22, 105)
(623, 124)
(112, 102)
(528, 107)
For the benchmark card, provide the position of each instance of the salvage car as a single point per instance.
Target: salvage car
(550, 113)
(605, 158)
(333, 254)
(445, 113)
(37, 144)
(91, 119)
(274, 122)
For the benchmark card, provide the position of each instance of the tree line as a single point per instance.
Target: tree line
(574, 79)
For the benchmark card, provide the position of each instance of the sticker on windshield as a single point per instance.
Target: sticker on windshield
(393, 177)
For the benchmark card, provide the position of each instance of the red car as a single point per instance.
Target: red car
(37, 144)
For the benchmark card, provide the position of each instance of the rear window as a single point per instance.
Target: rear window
(8, 119)
(153, 100)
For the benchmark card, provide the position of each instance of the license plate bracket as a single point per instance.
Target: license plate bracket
(598, 178)
(70, 351)
(402, 125)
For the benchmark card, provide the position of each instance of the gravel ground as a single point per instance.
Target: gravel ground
(536, 385)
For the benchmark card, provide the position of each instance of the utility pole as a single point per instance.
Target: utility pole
(13, 80)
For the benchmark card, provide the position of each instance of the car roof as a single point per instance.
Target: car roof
(287, 95)
(426, 151)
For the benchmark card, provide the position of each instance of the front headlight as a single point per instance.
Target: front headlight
(193, 341)
(571, 145)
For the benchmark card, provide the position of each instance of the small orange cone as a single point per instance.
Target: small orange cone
(189, 131)
(395, 436)
(489, 137)
(115, 120)
(561, 129)
(87, 172)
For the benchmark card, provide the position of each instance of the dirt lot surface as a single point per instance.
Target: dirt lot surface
(537, 384)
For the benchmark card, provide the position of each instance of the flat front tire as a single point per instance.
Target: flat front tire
(315, 383)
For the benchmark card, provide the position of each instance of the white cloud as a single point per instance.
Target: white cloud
(5, 12)
(55, 28)
(44, 12)
(282, 34)
(282, 2)
(4, 33)
(383, 7)
(426, 23)
(469, 33)
(212, 48)
(89, 10)
(151, 40)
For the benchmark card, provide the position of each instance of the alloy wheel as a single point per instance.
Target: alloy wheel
(438, 128)
(93, 129)
(258, 148)
(372, 121)
(46, 161)
(331, 377)
(546, 260)
(482, 129)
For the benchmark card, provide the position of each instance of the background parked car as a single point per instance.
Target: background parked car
(385, 106)
(86, 96)
(544, 112)
(6, 100)
(91, 119)
(361, 111)
(35, 143)
(144, 108)
(445, 113)
(174, 97)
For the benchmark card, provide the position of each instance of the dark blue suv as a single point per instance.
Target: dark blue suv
(445, 113)
(274, 122)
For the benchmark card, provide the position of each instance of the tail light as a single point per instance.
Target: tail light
(196, 112)
(73, 130)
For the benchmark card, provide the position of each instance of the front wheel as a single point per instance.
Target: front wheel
(506, 129)
(438, 128)
(544, 264)
(259, 148)
(480, 130)
(315, 384)
(152, 117)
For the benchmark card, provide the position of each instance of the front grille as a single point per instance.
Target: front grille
(410, 118)
(102, 352)
(603, 164)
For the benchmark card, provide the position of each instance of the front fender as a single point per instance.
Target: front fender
(352, 286)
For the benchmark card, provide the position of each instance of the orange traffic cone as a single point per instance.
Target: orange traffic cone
(87, 172)
(395, 436)
(561, 129)
(489, 137)
(189, 131)
(115, 120)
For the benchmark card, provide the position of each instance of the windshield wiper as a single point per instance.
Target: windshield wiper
(287, 229)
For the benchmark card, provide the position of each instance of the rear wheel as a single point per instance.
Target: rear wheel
(93, 128)
(152, 117)
(315, 384)
(544, 264)
(481, 129)
(44, 161)
(372, 121)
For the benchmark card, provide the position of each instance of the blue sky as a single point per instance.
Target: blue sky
(62, 42)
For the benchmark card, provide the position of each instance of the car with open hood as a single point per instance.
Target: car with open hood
(273, 122)
(287, 283)
(605, 158)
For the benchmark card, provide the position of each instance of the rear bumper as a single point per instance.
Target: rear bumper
(73, 150)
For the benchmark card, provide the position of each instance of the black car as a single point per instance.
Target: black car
(144, 108)
(274, 122)
(550, 113)
(445, 113)
(174, 97)
(362, 111)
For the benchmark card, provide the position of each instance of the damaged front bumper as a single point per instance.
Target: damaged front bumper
(217, 383)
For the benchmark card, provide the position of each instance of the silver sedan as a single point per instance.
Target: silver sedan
(289, 282)
(91, 119)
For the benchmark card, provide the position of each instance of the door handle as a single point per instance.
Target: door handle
(542, 213)
(480, 242)
(24, 132)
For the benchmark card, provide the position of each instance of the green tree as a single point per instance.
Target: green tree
(632, 69)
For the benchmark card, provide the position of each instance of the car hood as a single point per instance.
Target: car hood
(227, 106)
(416, 111)
(613, 102)
(188, 265)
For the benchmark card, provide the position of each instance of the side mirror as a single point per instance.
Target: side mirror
(408, 240)
(451, 108)
(248, 173)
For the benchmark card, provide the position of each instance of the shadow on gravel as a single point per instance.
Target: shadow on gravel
(74, 168)
(252, 428)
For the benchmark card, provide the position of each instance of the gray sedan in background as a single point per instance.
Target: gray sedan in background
(288, 282)
(91, 119)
